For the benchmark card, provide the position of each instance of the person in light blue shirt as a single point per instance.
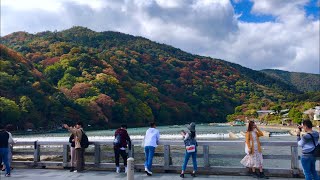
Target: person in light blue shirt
(151, 140)
(308, 143)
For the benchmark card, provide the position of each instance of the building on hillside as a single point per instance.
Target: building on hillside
(284, 111)
(314, 114)
(265, 112)
(285, 120)
(310, 113)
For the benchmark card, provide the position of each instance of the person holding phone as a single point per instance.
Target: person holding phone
(72, 152)
(254, 158)
(308, 143)
(78, 132)
(191, 149)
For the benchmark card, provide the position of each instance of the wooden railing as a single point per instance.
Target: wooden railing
(167, 150)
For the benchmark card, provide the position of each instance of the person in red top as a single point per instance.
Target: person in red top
(121, 142)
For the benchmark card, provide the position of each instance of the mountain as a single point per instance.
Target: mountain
(109, 78)
(27, 99)
(302, 81)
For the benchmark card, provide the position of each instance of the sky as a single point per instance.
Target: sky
(259, 34)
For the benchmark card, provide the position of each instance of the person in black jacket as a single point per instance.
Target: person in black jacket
(72, 153)
(4, 149)
(122, 140)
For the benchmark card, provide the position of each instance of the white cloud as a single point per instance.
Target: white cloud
(205, 27)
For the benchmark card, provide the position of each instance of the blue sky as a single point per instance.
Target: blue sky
(244, 7)
(312, 8)
(259, 34)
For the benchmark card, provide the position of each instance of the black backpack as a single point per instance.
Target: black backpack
(316, 151)
(84, 140)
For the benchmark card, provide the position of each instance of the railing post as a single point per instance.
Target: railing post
(65, 155)
(130, 171)
(294, 161)
(131, 152)
(36, 154)
(206, 156)
(167, 157)
(97, 150)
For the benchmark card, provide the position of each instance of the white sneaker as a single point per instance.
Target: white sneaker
(149, 173)
(145, 169)
(75, 171)
(125, 169)
(118, 170)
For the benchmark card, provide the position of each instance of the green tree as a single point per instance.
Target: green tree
(54, 73)
(26, 104)
(277, 108)
(67, 81)
(295, 115)
(9, 111)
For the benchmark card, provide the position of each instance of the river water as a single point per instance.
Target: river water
(204, 131)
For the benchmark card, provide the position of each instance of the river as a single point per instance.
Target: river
(204, 131)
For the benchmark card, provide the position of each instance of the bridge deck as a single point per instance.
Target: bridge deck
(55, 174)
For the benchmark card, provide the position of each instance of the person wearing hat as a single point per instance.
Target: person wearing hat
(191, 149)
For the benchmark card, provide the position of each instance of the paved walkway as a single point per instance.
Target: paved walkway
(53, 174)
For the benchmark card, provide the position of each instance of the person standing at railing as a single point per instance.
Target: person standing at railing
(4, 149)
(191, 149)
(254, 158)
(72, 152)
(151, 141)
(77, 131)
(308, 143)
(9, 128)
(120, 143)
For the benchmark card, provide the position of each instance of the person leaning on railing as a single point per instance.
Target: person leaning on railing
(308, 142)
(4, 149)
(121, 142)
(151, 141)
(9, 128)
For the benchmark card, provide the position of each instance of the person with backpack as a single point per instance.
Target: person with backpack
(120, 143)
(308, 142)
(81, 142)
(151, 141)
(4, 149)
(191, 144)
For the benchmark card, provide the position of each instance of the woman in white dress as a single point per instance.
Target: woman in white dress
(254, 158)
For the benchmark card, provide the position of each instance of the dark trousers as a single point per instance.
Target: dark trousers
(79, 159)
(117, 153)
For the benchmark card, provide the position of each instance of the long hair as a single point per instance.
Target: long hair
(192, 134)
(250, 126)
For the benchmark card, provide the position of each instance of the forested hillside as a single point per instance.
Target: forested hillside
(302, 81)
(108, 78)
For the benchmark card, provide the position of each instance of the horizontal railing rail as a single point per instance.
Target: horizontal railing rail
(168, 152)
